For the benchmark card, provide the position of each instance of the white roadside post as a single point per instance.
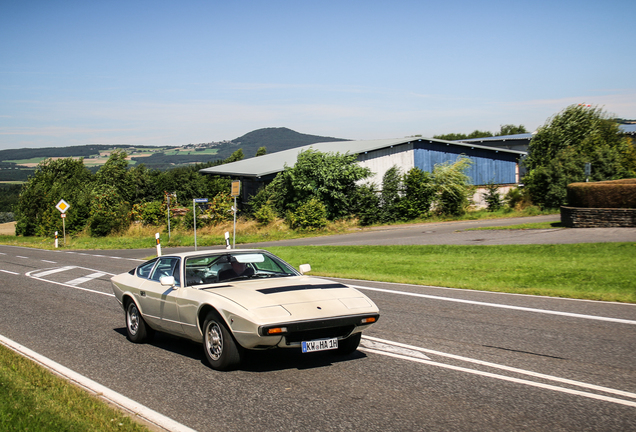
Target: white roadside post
(55, 239)
(62, 206)
(227, 240)
(158, 244)
(236, 190)
(194, 214)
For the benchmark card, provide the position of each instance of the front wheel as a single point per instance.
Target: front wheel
(349, 345)
(221, 351)
(136, 328)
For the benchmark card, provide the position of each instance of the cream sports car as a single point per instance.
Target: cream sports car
(232, 300)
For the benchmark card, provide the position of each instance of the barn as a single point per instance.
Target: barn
(496, 165)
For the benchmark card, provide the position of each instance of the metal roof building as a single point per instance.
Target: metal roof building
(498, 165)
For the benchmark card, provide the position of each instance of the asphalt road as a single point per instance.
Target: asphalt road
(454, 233)
(438, 359)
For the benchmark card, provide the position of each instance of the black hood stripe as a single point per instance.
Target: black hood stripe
(300, 288)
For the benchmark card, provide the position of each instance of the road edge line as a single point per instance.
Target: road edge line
(146, 414)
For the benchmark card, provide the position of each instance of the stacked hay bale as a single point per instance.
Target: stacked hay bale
(601, 204)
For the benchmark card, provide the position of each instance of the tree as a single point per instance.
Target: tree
(558, 152)
(331, 178)
(460, 136)
(391, 194)
(452, 186)
(509, 129)
(419, 194)
(261, 151)
(53, 180)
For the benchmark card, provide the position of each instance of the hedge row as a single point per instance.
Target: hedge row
(603, 194)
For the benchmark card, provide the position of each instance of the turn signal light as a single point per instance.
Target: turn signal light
(368, 320)
(276, 330)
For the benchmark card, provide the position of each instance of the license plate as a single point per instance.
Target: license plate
(320, 345)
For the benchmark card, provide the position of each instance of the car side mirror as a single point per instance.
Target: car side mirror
(167, 281)
(304, 268)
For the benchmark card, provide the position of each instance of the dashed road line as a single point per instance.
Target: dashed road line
(10, 272)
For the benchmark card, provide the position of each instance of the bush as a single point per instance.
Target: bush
(219, 209)
(492, 197)
(265, 214)
(109, 213)
(453, 186)
(6, 217)
(367, 202)
(419, 194)
(309, 216)
(149, 213)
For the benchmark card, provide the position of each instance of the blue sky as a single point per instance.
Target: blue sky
(180, 72)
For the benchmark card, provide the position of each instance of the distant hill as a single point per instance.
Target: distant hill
(23, 161)
(273, 139)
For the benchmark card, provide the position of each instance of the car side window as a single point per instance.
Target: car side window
(166, 267)
(144, 270)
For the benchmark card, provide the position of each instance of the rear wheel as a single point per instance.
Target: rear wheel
(136, 328)
(221, 350)
(349, 345)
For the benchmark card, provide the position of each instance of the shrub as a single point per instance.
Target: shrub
(453, 186)
(265, 214)
(6, 217)
(310, 216)
(492, 197)
(367, 202)
(419, 194)
(219, 209)
(109, 213)
(149, 213)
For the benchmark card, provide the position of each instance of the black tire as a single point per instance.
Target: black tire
(349, 345)
(136, 328)
(221, 350)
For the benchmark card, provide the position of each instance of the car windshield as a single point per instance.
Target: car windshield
(210, 269)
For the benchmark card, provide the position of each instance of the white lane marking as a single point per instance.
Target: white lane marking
(52, 271)
(506, 378)
(10, 272)
(393, 347)
(498, 366)
(35, 276)
(106, 256)
(19, 256)
(50, 262)
(85, 278)
(502, 306)
(99, 390)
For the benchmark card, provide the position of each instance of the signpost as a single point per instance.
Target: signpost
(62, 206)
(194, 214)
(236, 191)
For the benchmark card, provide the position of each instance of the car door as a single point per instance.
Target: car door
(160, 300)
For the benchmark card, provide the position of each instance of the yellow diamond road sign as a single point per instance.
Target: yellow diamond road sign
(62, 206)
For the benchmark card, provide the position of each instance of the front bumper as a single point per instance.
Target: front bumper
(339, 327)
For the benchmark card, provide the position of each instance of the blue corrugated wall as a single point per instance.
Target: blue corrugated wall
(488, 165)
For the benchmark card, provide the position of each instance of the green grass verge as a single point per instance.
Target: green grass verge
(34, 399)
(525, 226)
(594, 271)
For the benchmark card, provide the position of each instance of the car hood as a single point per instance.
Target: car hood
(304, 296)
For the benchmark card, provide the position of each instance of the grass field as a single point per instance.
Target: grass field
(593, 271)
(34, 399)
